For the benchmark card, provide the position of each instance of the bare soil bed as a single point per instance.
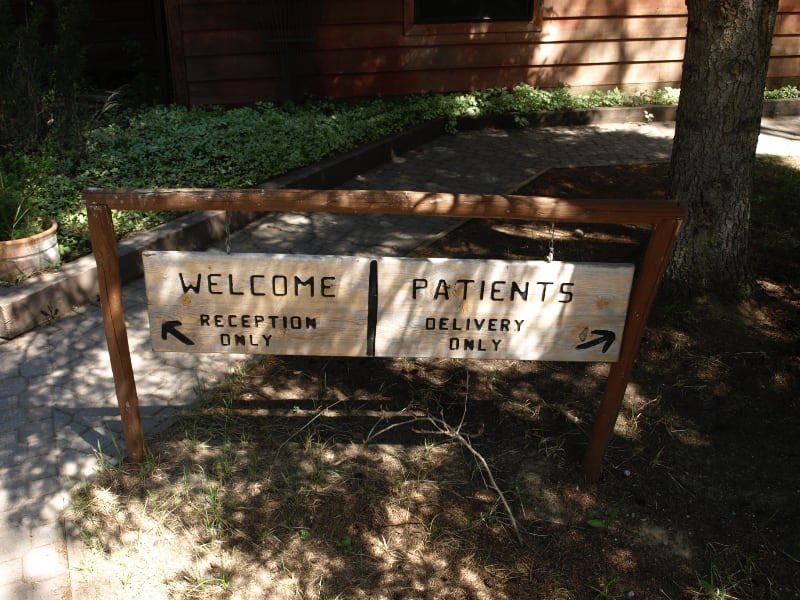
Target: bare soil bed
(267, 490)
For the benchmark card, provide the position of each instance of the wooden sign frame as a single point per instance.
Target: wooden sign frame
(664, 217)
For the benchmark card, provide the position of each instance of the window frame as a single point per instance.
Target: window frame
(411, 28)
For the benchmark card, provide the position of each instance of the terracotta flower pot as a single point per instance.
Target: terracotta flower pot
(25, 256)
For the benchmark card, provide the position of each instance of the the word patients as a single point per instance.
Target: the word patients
(502, 309)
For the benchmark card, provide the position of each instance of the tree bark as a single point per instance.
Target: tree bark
(728, 46)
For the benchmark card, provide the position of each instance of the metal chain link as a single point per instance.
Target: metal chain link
(552, 251)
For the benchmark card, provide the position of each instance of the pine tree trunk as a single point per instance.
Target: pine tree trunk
(719, 117)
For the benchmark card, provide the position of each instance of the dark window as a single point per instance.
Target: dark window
(467, 11)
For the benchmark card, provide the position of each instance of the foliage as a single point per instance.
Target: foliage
(665, 96)
(783, 93)
(23, 184)
(41, 69)
(613, 516)
(163, 146)
(44, 113)
(160, 146)
(171, 146)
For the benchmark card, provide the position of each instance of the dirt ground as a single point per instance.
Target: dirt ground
(268, 491)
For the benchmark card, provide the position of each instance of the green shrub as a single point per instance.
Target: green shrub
(23, 190)
(783, 93)
(665, 96)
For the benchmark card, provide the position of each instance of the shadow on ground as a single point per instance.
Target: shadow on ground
(267, 488)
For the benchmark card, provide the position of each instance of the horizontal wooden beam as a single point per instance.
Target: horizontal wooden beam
(493, 206)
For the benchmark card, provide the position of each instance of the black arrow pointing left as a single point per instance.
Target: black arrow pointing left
(606, 338)
(171, 328)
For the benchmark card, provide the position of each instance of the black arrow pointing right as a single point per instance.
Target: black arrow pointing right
(606, 337)
(171, 328)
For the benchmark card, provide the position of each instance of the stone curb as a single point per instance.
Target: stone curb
(47, 296)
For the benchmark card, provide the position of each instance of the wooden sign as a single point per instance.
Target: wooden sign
(350, 306)
(257, 303)
(501, 309)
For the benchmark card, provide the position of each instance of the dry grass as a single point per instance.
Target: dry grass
(265, 489)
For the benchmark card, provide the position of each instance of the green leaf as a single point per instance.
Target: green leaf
(596, 523)
(345, 544)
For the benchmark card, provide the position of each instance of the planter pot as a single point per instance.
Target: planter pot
(23, 257)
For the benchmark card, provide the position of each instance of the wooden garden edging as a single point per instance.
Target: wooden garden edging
(664, 217)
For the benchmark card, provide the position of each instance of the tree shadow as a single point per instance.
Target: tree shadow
(267, 487)
(270, 485)
(785, 131)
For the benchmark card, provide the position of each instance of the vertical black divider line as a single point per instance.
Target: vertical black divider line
(372, 307)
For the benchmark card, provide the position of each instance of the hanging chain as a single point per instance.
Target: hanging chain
(227, 232)
(552, 250)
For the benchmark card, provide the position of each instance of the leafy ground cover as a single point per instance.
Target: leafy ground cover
(266, 488)
(118, 143)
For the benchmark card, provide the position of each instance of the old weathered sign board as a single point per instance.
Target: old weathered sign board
(257, 303)
(437, 308)
(387, 307)
(528, 310)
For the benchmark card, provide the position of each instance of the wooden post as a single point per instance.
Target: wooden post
(104, 245)
(659, 249)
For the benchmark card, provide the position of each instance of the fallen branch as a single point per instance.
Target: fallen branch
(442, 427)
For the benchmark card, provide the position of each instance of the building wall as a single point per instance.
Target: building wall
(236, 52)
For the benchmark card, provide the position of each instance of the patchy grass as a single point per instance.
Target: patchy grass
(266, 488)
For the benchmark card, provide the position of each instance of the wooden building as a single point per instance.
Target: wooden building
(241, 51)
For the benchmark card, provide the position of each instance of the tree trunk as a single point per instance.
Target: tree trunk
(728, 45)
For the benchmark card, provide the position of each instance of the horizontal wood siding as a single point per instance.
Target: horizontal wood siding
(238, 52)
(784, 66)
